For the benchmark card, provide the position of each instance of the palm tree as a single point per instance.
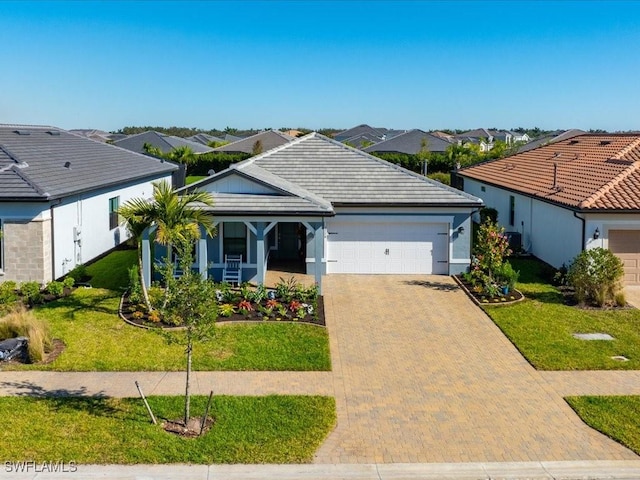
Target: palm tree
(177, 217)
(182, 154)
(136, 213)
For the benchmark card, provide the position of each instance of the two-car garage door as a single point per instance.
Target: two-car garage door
(387, 247)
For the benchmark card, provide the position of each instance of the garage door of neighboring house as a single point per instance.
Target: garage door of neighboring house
(626, 245)
(387, 247)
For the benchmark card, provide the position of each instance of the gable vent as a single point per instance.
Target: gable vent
(22, 132)
(54, 133)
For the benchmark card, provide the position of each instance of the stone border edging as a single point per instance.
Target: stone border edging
(480, 304)
(221, 322)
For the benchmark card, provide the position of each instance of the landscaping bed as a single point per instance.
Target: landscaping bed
(481, 298)
(542, 326)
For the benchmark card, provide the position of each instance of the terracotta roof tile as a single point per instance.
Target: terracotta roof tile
(586, 172)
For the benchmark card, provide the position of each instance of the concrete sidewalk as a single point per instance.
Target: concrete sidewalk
(616, 470)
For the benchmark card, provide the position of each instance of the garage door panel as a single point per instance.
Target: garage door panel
(626, 245)
(396, 247)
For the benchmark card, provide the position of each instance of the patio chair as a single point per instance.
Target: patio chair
(232, 272)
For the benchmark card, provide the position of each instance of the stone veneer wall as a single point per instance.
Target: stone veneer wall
(27, 251)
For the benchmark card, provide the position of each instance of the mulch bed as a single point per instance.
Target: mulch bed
(512, 297)
(569, 299)
(191, 430)
(314, 319)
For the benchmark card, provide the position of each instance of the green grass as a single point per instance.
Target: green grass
(97, 339)
(615, 416)
(194, 178)
(541, 327)
(89, 430)
(112, 271)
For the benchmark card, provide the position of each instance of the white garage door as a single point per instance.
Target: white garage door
(396, 247)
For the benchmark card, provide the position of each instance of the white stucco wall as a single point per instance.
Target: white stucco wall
(236, 184)
(549, 232)
(89, 213)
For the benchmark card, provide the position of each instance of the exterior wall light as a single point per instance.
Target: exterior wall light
(460, 230)
(596, 234)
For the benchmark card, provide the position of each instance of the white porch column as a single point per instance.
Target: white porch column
(262, 271)
(318, 238)
(202, 254)
(146, 258)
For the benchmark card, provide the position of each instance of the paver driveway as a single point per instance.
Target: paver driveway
(422, 375)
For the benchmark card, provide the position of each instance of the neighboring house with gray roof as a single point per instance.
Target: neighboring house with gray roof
(59, 193)
(262, 141)
(378, 133)
(165, 143)
(411, 143)
(205, 139)
(333, 209)
(362, 141)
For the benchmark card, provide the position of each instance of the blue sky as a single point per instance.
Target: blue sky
(268, 64)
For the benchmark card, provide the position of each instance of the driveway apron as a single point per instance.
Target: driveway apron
(423, 375)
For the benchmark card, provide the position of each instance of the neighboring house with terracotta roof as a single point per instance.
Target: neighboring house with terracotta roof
(411, 143)
(333, 209)
(165, 143)
(550, 138)
(262, 141)
(59, 195)
(577, 193)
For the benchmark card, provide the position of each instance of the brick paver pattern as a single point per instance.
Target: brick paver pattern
(422, 375)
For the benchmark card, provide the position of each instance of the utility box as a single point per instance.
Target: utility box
(515, 241)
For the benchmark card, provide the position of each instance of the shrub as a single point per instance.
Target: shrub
(55, 288)
(488, 214)
(23, 323)
(596, 275)
(69, 282)
(441, 177)
(286, 289)
(79, 273)
(31, 292)
(135, 288)
(156, 296)
(487, 267)
(8, 292)
(506, 275)
(154, 316)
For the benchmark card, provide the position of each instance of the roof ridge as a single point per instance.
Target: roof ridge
(23, 175)
(18, 163)
(607, 187)
(620, 155)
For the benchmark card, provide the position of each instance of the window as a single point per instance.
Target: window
(234, 239)
(114, 205)
(512, 210)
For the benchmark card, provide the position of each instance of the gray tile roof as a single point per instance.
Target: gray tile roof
(166, 143)
(239, 204)
(359, 130)
(32, 164)
(344, 175)
(361, 139)
(269, 139)
(410, 143)
(204, 139)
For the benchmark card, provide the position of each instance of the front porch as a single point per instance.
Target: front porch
(292, 245)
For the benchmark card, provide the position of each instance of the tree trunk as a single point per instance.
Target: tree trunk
(187, 396)
(169, 273)
(143, 284)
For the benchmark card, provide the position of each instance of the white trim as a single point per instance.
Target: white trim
(253, 229)
(460, 261)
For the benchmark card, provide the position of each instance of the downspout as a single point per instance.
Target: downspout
(584, 229)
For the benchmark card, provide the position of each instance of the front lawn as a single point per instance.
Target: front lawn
(89, 430)
(97, 339)
(541, 327)
(615, 416)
